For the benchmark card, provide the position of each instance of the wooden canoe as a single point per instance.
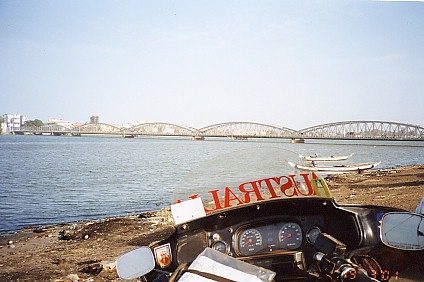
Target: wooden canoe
(317, 158)
(337, 168)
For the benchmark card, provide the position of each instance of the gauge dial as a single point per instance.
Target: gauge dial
(290, 236)
(250, 242)
(312, 234)
(220, 246)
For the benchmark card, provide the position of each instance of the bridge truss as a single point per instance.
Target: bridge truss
(365, 130)
(162, 129)
(97, 128)
(246, 129)
(376, 130)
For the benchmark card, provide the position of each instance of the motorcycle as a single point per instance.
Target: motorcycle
(249, 216)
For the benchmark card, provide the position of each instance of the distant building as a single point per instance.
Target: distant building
(60, 122)
(94, 119)
(12, 122)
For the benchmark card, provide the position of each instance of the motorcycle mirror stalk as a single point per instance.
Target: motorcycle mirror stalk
(403, 230)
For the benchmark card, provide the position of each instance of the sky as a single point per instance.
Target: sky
(286, 63)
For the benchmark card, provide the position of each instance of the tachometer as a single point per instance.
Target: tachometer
(290, 236)
(250, 242)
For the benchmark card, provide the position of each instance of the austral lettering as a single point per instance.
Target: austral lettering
(290, 186)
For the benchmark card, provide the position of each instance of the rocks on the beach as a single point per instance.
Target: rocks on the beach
(94, 268)
(89, 262)
(39, 230)
(73, 233)
(142, 216)
(108, 265)
(66, 235)
(72, 277)
(91, 267)
(60, 261)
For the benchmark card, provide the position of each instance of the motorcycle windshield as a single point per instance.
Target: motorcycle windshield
(250, 176)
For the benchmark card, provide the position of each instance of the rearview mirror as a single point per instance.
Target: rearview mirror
(403, 231)
(135, 263)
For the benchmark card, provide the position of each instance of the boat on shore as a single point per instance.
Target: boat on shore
(337, 168)
(317, 158)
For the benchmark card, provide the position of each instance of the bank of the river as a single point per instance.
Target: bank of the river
(63, 253)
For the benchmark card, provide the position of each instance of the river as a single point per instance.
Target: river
(47, 180)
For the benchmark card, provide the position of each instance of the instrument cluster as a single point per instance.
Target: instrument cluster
(268, 238)
(249, 240)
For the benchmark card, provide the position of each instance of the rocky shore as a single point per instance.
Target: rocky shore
(87, 251)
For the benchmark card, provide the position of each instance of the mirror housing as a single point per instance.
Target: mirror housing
(403, 230)
(135, 263)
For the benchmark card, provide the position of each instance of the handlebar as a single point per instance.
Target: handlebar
(338, 269)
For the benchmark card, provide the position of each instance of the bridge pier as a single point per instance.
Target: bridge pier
(128, 135)
(297, 140)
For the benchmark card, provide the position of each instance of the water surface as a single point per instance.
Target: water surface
(50, 179)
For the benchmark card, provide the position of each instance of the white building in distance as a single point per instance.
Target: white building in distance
(11, 122)
(61, 122)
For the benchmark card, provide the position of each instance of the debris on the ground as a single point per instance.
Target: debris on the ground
(94, 268)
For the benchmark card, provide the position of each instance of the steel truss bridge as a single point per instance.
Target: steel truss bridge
(349, 130)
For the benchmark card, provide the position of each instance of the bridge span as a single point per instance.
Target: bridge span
(348, 130)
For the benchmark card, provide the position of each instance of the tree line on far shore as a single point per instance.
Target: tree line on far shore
(34, 123)
(29, 123)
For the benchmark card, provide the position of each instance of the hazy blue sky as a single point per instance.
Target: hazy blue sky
(290, 63)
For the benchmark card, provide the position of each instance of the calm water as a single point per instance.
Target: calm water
(48, 180)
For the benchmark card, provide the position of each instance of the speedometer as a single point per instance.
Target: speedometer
(290, 236)
(250, 242)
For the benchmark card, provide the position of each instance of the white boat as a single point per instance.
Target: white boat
(337, 168)
(317, 158)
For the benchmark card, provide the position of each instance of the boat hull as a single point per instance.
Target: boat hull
(337, 169)
(325, 159)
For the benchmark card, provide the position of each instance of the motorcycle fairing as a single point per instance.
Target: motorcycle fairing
(251, 192)
(292, 186)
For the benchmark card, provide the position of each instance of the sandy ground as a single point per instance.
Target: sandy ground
(87, 251)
